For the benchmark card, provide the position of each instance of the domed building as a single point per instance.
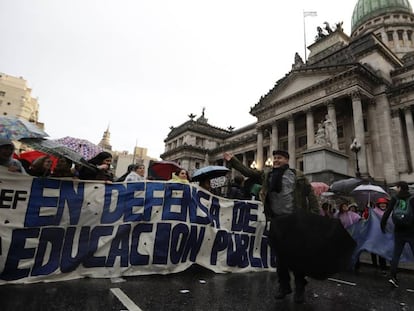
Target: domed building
(346, 110)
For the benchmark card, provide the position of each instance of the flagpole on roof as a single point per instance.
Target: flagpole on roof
(135, 150)
(306, 14)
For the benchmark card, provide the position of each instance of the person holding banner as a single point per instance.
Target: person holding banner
(101, 169)
(136, 174)
(6, 157)
(284, 190)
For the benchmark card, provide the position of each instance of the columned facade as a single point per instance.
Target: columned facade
(350, 87)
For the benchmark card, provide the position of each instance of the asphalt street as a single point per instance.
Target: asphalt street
(201, 289)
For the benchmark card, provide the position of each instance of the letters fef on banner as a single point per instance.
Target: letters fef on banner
(61, 229)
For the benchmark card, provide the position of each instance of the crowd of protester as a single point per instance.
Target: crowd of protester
(278, 190)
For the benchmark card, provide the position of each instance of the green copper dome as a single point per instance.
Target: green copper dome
(366, 9)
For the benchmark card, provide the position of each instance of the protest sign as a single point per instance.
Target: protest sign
(61, 229)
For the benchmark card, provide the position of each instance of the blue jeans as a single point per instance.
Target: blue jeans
(399, 242)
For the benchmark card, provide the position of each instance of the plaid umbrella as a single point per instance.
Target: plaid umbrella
(84, 147)
(14, 128)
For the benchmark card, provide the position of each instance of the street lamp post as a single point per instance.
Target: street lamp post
(356, 147)
(269, 162)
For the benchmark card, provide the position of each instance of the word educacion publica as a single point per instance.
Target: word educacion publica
(67, 223)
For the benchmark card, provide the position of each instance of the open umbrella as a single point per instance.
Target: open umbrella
(14, 128)
(56, 149)
(162, 170)
(28, 157)
(297, 237)
(365, 194)
(84, 147)
(345, 186)
(209, 172)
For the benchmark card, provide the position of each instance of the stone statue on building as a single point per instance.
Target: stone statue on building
(320, 138)
(298, 61)
(339, 27)
(328, 28)
(330, 132)
(320, 34)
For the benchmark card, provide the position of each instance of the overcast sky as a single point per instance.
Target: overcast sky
(140, 67)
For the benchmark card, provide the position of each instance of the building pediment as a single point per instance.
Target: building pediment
(299, 82)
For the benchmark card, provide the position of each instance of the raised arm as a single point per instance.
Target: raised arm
(244, 170)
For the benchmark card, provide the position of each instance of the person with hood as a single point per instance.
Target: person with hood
(130, 168)
(6, 157)
(99, 169)
(137, 174)
(403, 233)
(346, 216)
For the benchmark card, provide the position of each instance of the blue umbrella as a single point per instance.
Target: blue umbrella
(209, 172)
(14, 128)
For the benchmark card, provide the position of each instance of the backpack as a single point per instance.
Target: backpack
(403, 213)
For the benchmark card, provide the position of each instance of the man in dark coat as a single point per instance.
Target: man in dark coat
(284, 190)
(402, 233)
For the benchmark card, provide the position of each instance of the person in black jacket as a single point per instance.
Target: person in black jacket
(99, 169)
(402, 233)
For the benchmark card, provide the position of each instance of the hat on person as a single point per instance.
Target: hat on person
(6, 142)
(283, 153)
(353, 205)
(382, 200)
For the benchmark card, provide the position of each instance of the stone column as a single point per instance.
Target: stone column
(332, 116)
(291, 142)
(310, 128)
(385, 129)
(373, 133)
(259, 159)
(398, 141)
(360, 132)
(274, 143)
(206, 160)
(410, 132)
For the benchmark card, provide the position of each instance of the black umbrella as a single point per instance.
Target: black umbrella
(315, 245)
(345, 186)
(56, 149)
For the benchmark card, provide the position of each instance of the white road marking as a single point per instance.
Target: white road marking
(341, 281)
(126, 301)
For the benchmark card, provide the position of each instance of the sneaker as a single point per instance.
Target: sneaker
(394, 282)
(283, 292)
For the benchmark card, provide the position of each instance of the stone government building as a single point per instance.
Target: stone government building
(363, 84)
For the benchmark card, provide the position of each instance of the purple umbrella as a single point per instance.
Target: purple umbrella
(84, 147)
